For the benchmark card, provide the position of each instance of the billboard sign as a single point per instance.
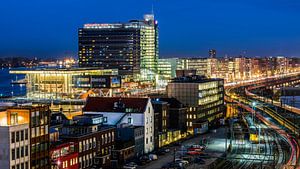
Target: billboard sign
(97, 81)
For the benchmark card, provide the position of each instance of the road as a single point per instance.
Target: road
(215, 149)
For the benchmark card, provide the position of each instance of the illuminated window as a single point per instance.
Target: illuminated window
(14, 118)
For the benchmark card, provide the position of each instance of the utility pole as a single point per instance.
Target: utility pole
(231, 133)
(259, 141)
(174, 155)
(226, 134)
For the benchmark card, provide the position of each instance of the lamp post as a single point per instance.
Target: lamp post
(253, 107)
(259, 140)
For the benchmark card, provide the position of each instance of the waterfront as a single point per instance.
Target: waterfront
(6, 88)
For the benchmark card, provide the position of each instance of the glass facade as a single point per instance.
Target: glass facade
(57, 83)
(198, 64)
(203, 97)
(132, 47)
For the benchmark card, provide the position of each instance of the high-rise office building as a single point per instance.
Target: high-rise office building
(132, 47)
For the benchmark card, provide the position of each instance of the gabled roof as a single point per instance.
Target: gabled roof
(107, 104)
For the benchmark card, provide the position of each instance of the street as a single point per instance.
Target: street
(215, 148)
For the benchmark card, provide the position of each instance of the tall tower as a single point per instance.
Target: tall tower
(131, 47)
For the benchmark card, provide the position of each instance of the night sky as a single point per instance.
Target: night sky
(48, 28)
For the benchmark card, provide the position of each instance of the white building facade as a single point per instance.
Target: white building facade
(14, 146)
(134, 111)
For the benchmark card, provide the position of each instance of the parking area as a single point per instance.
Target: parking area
(214, 143)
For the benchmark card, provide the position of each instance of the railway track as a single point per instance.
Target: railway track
(274, 151)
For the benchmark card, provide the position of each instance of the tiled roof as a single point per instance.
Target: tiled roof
(107, 104)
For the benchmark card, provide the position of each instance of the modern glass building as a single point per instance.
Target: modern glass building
(167, 70)
(204, 98)
(68, 83)
(132, 47)
(198, 64)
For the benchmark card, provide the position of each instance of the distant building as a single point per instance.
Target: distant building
(231, 69)
(198, 64)
(204, 98)
(117, 111)
(25, 137)
(132, 47)
(166, 70)
(185, 72)
(212, 53)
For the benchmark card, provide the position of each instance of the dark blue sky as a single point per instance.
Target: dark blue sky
(187, 27)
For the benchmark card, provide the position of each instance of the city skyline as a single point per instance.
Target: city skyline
(149, 84)
(49, 29)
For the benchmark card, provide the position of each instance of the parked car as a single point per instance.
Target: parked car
(143, 160)
(172, 166)
(199, 160)
(185, 162)
(129, 167)
(204, 155)
(196, 147)
(153, 157)
(177, 144)
(132, 164)
(188, 158)
(160, 152)
(135, 161)
(194, 153)
(166, 150)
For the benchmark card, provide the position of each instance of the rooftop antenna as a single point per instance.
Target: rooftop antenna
(152, 10)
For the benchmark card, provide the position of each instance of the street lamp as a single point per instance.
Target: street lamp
(253, 107)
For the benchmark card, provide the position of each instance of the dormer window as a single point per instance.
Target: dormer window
(104, 119)
(130, 120)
